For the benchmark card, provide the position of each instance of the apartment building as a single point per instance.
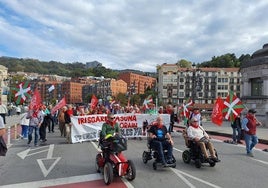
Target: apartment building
(137, 84)
(203, 85)
(72, 91)
(109, 87)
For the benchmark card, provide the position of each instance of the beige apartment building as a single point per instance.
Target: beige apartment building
(203, 85)
(109, 87)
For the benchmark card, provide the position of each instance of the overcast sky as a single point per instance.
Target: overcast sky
(131, 34)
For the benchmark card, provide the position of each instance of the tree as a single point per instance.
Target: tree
(184, 63)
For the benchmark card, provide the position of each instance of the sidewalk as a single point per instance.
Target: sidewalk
(226, 130)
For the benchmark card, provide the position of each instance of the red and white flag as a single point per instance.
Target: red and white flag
(51, 88)
(36, 100)
(94, 101)
(147, 101)
(60, 104)
(23, 91)
(185, 108)
(232, 107)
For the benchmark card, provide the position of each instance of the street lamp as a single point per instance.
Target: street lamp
(8, 88)
(132, 89)
(196, 81)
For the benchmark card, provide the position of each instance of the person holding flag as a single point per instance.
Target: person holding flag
(249, 124)
(36, 119)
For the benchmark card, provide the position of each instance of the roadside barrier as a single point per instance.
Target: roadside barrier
(12, 133)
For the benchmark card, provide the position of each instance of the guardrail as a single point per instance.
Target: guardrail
(13, 129)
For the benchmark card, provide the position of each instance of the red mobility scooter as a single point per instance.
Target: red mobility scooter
(111, 162)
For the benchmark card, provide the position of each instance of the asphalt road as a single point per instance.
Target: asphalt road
(58, 164)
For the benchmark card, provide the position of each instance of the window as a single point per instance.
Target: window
(181, 94)
(256, 87)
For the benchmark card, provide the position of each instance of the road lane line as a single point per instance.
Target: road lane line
(177, 150)
(178, 172)
(264, 162)
(185, 180)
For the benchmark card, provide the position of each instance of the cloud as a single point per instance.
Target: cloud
(131, 34)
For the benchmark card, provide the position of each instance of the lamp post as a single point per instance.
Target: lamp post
(132, 89)
(196, 81)
(8, 87)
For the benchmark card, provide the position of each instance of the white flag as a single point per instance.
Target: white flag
(52, 87)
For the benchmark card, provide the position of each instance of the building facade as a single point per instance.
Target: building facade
(203, 85)
(4, 87)
(255, 83)
(137, 84)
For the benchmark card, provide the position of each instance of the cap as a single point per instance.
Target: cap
(253, 111)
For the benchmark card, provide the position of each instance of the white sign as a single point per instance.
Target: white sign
(86, 128)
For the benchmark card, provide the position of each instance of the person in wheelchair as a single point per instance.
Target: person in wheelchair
(109, 130)
(197, 134)
(110, 127)
(161, 140)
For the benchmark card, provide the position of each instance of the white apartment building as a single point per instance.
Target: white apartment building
(203, 85)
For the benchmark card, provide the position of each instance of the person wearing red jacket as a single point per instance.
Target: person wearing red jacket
(249, 124)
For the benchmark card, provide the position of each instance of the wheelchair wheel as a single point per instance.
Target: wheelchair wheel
(212, 164)
(155, 165)
(144, 157)
(173, 165)
(186, 156)
(108, 173)
(131, 171)
(197, 163)
(98, 158)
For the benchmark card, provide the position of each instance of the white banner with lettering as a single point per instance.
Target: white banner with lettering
(86, 128)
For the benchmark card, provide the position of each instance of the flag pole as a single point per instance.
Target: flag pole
(156, 104)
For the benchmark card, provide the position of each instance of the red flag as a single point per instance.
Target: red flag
(217, 116)
(35, 100)
(232, 107)
(60, 104)
(94, 101)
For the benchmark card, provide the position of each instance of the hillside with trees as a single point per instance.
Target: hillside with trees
(225, 61)
(78, 69)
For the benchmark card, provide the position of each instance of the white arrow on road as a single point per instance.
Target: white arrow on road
(49, 158)
(49, 150)
(30, 152)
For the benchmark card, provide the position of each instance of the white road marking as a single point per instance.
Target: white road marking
(55, 182)
(178, 172)
(185, 180)
(49, 149)
(264, 162)
(177, 150)
(26, 152)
